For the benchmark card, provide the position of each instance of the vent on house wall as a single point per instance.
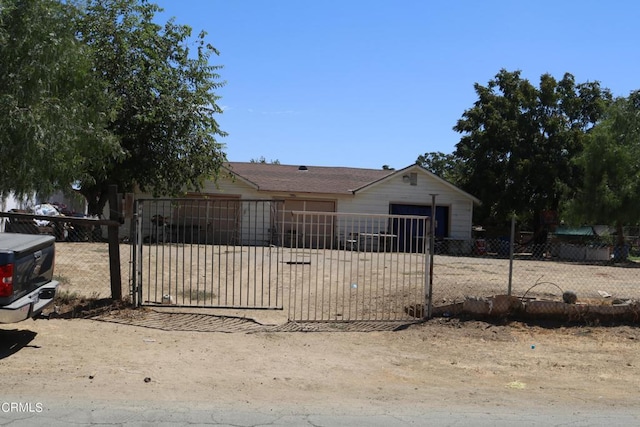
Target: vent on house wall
(414, 178)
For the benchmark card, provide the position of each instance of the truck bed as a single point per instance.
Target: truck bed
(26, 275)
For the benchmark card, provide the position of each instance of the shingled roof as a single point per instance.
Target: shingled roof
(306, 179)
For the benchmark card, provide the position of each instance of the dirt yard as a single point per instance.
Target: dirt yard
(444, 363)
(84, 268)
(200, 358)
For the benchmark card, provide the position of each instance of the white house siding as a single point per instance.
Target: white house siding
(257, 222)
(375, 199)
(260, 228)
(394, 190)
(232, 188)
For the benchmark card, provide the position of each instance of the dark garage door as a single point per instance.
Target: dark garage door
(409, 236)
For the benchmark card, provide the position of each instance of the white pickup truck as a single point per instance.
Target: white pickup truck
(26, 276)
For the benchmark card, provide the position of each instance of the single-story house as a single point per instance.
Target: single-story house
(341, 190)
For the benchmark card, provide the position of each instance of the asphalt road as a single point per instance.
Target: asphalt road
(53, 414)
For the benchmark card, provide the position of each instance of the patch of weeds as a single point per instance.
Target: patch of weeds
(66, 297)
(70, 304)
(63, 280)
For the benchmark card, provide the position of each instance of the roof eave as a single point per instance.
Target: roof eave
(434, 176)
(242, 178)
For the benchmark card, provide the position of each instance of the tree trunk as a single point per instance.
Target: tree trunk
(620, 250)
(96, 200)
(96, 197)
(619, 234)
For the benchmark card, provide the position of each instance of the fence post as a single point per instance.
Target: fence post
(511, 244)
(138, 242)
(432, 244)
(114, 245)
(133, 238)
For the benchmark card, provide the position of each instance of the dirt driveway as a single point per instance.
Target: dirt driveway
(444, 363)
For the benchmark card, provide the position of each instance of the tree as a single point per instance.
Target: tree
(446, 166)
(94, 92)
(519, 141)
(611, 168)
(164, 101)
(261, 159)
(51, 108)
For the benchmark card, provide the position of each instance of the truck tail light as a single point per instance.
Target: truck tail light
(6, 280)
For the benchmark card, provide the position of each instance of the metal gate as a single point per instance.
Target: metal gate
(233, 253)
(200, 252)
(367, 268)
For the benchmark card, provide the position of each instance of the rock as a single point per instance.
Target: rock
(569, 297)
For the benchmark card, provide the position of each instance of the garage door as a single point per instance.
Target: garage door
(410, 233)
(309, 231)
(207, 218)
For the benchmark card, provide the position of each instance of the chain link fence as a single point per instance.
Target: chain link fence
(82, 263)
(82, 268)
(570, 274)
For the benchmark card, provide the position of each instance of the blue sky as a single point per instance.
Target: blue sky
(366, 83)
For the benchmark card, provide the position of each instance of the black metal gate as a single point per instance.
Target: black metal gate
(243, 254)
(207, 252)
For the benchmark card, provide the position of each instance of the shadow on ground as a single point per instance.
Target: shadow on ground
(14, 340)
(199, 322)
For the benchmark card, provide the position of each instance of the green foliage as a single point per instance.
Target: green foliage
(262, 160)
(519, 141)
(446, 166)
(165, 100)
(51, 109)
(610, 164)
(95, 92)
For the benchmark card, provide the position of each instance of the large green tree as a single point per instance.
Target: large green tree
(96, 92)
(518, 142)
(610, 161)
(52, 110)
(164, 108)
